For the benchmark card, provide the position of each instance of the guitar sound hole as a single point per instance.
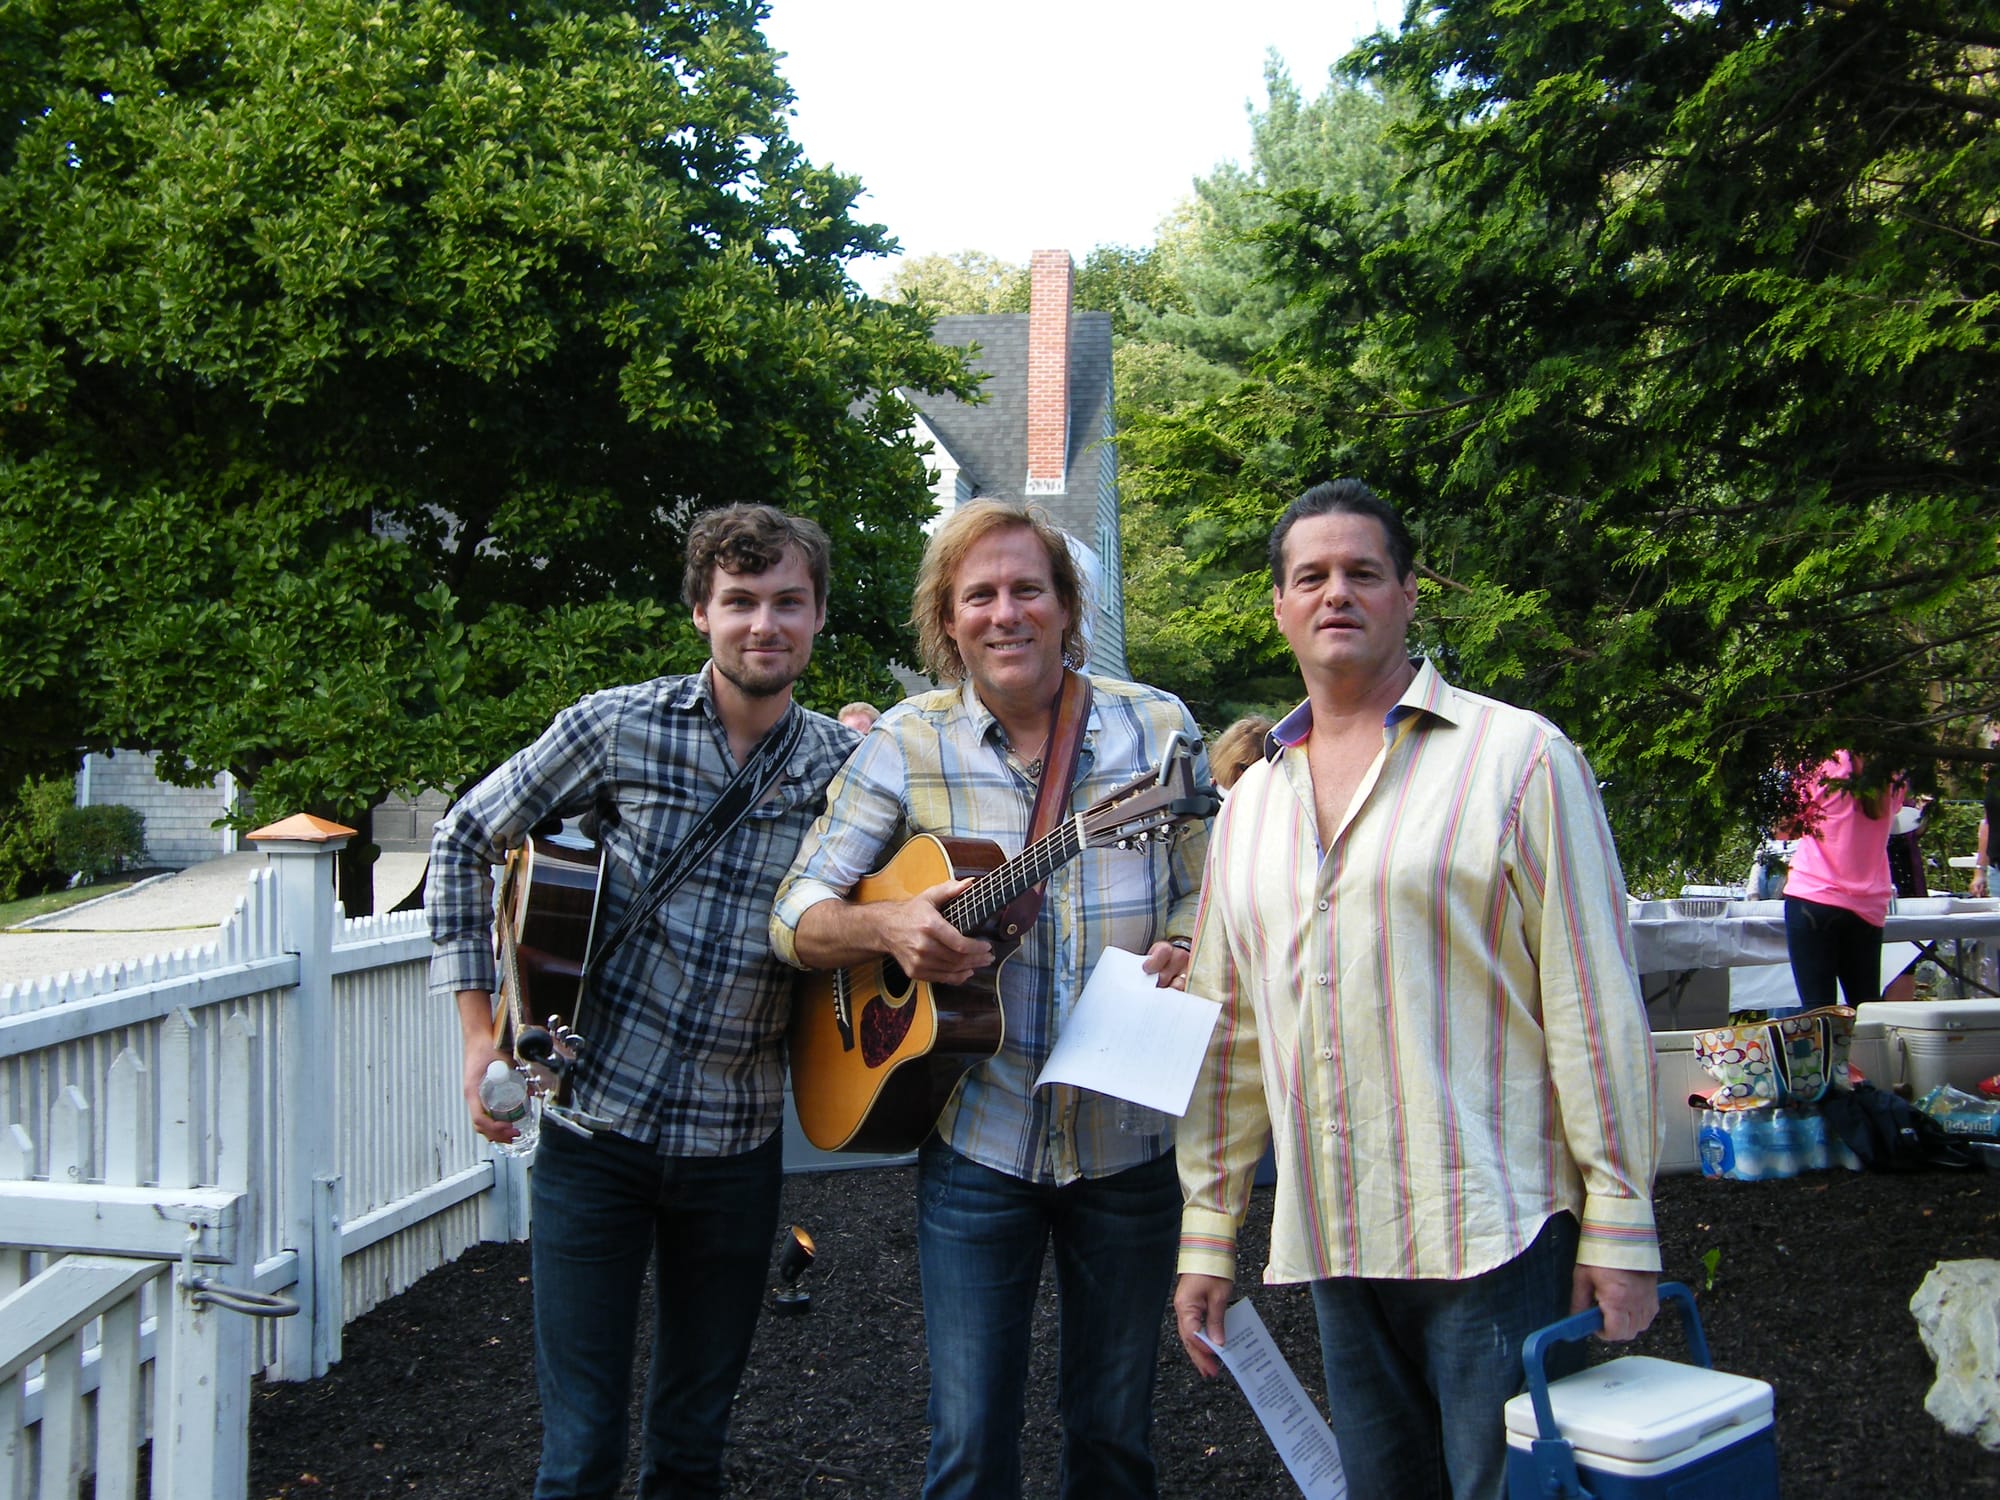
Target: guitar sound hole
(895, 983)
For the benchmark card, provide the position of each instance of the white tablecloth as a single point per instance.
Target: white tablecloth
(1753, 932)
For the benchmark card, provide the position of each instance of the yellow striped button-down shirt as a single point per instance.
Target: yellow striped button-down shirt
(1436, 1019)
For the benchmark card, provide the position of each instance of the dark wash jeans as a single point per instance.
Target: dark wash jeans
(1418, 1373)
(602, 1209)
(981, 1237)
(1830, 945)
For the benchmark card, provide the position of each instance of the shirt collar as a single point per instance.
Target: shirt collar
(694, 690)
(982, 722)
(1428, 693)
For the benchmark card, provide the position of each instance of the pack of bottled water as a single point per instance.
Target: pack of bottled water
(1767, 1145)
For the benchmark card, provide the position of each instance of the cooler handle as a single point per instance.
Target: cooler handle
(1534, 1348)
(1553, 1458)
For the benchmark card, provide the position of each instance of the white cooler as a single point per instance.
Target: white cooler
(1929, 1042)
(1639, 1428)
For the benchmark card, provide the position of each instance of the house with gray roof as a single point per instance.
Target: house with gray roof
(1042, 434)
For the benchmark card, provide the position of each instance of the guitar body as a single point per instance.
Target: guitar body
(546, 917)
(876, 1055)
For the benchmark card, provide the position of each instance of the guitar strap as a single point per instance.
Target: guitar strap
(745, 790)
(1059, 758)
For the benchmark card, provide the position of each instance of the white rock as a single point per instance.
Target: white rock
(1958, 1317)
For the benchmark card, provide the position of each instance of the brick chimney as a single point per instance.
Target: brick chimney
(1050, 274)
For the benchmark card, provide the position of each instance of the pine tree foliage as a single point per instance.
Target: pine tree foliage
(1679, 349)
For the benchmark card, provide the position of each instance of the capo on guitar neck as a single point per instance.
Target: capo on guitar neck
(1177, 766)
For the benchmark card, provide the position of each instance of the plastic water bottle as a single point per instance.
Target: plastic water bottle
(503, 1094)
(1838, 1152)
(1713, 1145)
(1746, 1142)
(1783, 1133)
(1813, 1153)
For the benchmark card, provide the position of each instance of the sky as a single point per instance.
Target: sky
(1043, 124)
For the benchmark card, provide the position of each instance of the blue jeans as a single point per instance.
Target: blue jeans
(981, 1236)
(1418, 1372)
(602, 1209)
(1830, 945)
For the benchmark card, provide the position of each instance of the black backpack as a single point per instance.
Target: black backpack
(1888, 1133)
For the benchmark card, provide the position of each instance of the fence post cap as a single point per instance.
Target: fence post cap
(303, 828)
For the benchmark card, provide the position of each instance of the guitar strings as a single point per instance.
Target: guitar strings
(990, 892)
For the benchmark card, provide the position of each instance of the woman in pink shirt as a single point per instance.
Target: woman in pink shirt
(1838, 893)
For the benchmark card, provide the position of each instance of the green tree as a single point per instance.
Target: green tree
(1689, 383)
(969, 281)
(1226, 305)
(363, 363)
(1194, 406)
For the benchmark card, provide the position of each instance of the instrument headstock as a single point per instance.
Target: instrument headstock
(1152, 806)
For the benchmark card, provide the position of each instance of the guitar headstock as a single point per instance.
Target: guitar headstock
(1152, 806)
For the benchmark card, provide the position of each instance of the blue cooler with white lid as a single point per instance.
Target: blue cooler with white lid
(1639, 1428)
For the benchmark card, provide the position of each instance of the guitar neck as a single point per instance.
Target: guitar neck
(981, 901)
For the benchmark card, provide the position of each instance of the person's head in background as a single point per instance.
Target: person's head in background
(1237, 749)
(859, 717)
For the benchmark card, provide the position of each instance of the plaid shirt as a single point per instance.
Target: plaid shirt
(939, 763)
(686, 1020)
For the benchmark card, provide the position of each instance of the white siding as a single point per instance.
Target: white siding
(180, 820)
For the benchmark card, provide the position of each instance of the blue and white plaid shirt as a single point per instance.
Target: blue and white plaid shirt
(686, 1020)
(939, 763)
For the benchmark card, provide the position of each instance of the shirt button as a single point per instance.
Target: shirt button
(1327, 1054)
(1322, 906)
(1319, 979)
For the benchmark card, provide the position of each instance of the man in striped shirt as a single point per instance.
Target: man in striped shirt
(1415, 921)
(685, 1020)
(1013, 1169)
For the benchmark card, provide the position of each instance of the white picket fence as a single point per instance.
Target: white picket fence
(112, 1286)
(272, 1119)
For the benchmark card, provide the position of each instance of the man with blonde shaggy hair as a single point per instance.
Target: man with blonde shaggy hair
(1010, 1169)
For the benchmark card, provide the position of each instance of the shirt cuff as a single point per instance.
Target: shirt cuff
(795, 899)
(1208, 1244)
(461, 964)
(1618, 1233)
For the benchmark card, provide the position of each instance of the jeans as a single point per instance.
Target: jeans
(981, 1236)
(1418, 1372)
(1830, 944)
(602, 1209)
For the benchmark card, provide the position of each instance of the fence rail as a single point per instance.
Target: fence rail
(276, 1112)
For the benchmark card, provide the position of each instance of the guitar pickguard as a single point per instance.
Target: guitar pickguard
(886, 1018)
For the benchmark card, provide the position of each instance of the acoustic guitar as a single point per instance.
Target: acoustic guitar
(876, 1055)
(544, 921)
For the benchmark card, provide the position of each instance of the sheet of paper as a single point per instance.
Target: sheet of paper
(1130, 1039)
(1291, 1421)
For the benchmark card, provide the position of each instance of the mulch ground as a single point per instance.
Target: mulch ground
(1805, 1284)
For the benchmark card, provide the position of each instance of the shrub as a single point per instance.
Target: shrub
(28, 825)
(94, 841)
